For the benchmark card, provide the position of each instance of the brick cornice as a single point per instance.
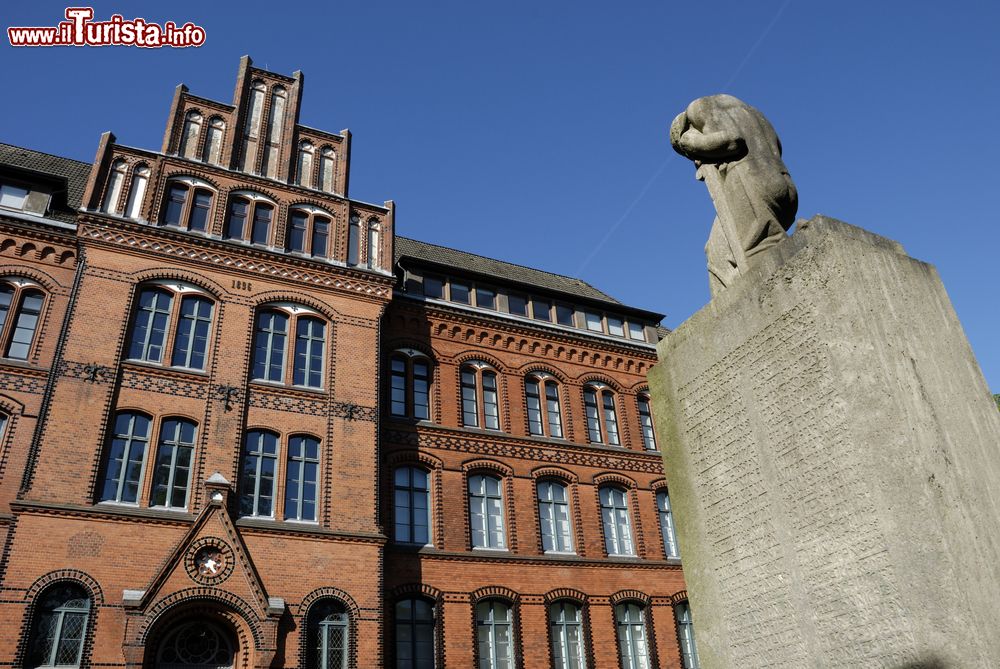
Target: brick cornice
(433, 554)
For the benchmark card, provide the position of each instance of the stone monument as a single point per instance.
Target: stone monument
(832, 449)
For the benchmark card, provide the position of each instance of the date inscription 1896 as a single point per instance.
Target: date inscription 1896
(242, 285)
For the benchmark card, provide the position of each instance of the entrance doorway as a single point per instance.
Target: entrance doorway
(199, 644)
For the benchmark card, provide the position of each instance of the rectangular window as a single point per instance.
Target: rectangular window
(126, 458)
(411, 506)
(593, 416)
(491, 407)
(421, 390)
(175, 204)
(486, 298)
(260, 466)
(172, 473)
(636, 331)
(667, 528)
(199, 210)
(149, 330)
(297, 232)
(566, 625)
(552, 408)
(611, 419)
(191, 341)
(541, 310)
(564, 315)
(25, 326)
(517, 304)
(398, 387)
(261, 224)
(269, 346)
(593, 321)
(616, 326)
(459, 292)
(237, 219)
(646, 423)
(615, 519)
(320, 237)
(486, 512)
(470, 412)
(12, 197)
(685, 632)
(534, 406)
(301, 479)
(310, 339)
(434, 287)
(632, 636)
(553, 517)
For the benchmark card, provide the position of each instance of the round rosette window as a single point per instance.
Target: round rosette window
(209, 561)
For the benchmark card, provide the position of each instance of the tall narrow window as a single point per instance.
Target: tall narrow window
(615, 519)
(191, 134)
(172, 473)
(354, 240)
(272, 136)
(60, 627)
(137, 191)
(328, 639)
(326, 169)
(320, 237)
(22, 335)
(410, 380)
(632, 646)
(566, 626)
(667, 529)
(151, 325)
(646, 423)
(257, 475)
(301, 478)
(494, 635)
(274, 326)
(547, 421)
(251, 133)
(553, 517)
(213, 141)
(191, 340)
(411, 505)
(486, 512)
(113, 192)
(414, 634)
(149, 329)
(685, 633)
(126, 458)
(236, 219)
(298, 224)
(305, 164)
(373, 244)
(261, 230)
(602, 419)
(480, 406)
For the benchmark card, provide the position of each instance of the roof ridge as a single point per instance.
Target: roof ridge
(46, 153)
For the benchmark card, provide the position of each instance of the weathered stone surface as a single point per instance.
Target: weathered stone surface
(833, 455)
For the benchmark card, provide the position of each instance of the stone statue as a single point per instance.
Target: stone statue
(738, 156)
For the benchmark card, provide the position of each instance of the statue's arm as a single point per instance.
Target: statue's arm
(711, 146)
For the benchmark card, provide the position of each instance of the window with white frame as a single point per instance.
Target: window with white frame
(486, 512)
(309, 231)
(258, 474)
(667, 529)
(602, 418)
(480, 406)
(248, 218)
(495, 635)
(632, 646)
(685, 634)
(13, 197)
(171, 317)
(554, 517)
(566, 632)
(409, 382)
(302, 478)
(616, 522)
(276, 326)
(188, 204)
(542, 390)
(646, 423)
(411, 505)
(172, 468)
(126, 458)
(59, 630)
(328, 636)
(21, 303)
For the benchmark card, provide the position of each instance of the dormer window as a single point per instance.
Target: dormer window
(13, 197)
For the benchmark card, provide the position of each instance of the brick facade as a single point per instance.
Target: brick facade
(138, 223)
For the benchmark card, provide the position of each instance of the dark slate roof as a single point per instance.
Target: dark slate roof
(75, 173)
(448, 258)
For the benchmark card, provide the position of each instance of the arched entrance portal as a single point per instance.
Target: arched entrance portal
(196, 644)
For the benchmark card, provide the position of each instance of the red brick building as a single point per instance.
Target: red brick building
(246, 425)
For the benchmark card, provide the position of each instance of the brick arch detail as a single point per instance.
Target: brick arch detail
(591, 377)
(615, 478)
(44, 279)
(495, 592)
(202, 281)
(329, 592)
(139, 653)
(542, 368)
(678, 597)
(558, 594)
(399, 458)
(416, 589)
(658, 485)
(479, 464)
(548, 471)
(479, 356)
(312, 203)
(263, 299)
(202, 595)
(74, 575)
(353, 616)
(630, 596)
(184, 172)
(31, 597)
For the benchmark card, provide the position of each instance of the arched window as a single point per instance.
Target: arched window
(495, 635)
(327, 166)
(113, 192)
(411, 505)
(309, 232)
(137, 191)
(667, 529)
(685, 634)
(646, 423)
(258, 474)
(374, 228)
(251, 132)
(328, 636)
(354, 240)
(536, 387)
(248, 218)
(213, 141)
(172, 470)
(553, 517)
(602, 419)
(305, 164)
(632, 646)
(4, 421)
(274, 326)
(480, 405)
(192, 132)
(272, 137)
(196, 644)
(187, 205)
(410, 382)
(486, 512)
(126, 458)
(60, 627)
(615, 519)
(21, 303)
(302, 478)
(159, 325)
(566, 632)
(415, 634)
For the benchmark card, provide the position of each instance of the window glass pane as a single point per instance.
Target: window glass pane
(552, 409)
(491, 406)
(486, 298)
(301, 474)
(60, 627)
(566, 632)
(636, 331)
(126, 455)
(261, 224)
(354, 241)
(564, 315)
(667, 525)
(414, 634)
(411, 506)
(646, 423)
(593, 321)
(593, 417)
(421, 390)
(149, 329)
(610, 418)
(12, 196)
(172, 469)
(297, 223)
(470, 412)
(269, 346)
(459, 292)
(174, 210)
(541, 309)
(517, 304)
(320, 236)
(486, 512)
(191, 340)
(309, 345)
(616, 326)
(398, 386)
(685, 632)
(533, 398)
(236, 219)
(433, 287)
(6, 297)
(260, 463)
(25, 325)
(200, 209)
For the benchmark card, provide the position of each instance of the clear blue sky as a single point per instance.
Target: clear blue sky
(536, 131)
